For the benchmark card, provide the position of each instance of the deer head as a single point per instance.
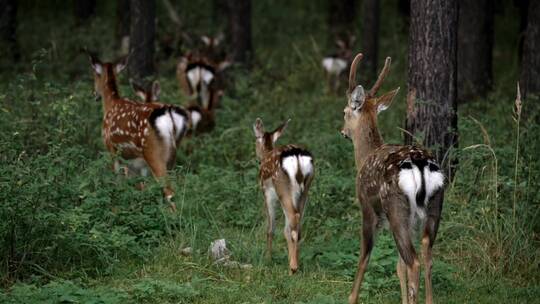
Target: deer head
(265, 140)
(105, 75)
(360, 114)
(146, 95)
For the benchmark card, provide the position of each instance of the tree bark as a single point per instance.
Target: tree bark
(530, 66)
(84, 9)
(475, 48)
(8, 29)
(341, 16)
(432, 84)
(123, 25)
(370, 39)
(142, 37)
(240, 30)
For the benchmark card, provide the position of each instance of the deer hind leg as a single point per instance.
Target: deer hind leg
(158, 166)
(428, 238)
(369, 224)
(399, 220)
(270, 200)
(402, 275)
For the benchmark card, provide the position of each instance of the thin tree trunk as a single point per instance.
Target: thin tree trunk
(523, 6)
(475, 48)
(83, 10)
(432, 92)
(240, 30)
(530, 67)
(341, 16)
(142, 36)
(8, 29)
(123, 25)
(370, 38)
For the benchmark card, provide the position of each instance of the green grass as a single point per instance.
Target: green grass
(74, 232)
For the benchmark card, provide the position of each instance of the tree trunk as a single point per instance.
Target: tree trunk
(530, 67)
(84, 9)
(475, 48)
(523, 6)
(341, 16)
(370, 39)
(142, 36)
(122, 26)
(240, 30)
(432, 92)
(8, 29)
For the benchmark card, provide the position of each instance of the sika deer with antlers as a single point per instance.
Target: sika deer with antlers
(285, 174)
(144, 134)
(399, 184)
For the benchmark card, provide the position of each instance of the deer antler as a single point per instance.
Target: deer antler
(382, 75)
(352, 73)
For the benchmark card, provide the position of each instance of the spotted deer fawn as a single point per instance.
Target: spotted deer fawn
(145, 134)
(336, 64)
(399, 184)
(202, 120)
(285, 174)
(200, 79)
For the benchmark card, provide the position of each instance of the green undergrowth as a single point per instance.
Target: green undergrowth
(72, 231)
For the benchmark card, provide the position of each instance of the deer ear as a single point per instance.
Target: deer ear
(206, 40)
(258, 128)
(385, 101)
(120, 65)
(224, 64)
(139, 91)
(156, 90)
(96, 63)
(340, 43)
(358, 96)
(277, 132)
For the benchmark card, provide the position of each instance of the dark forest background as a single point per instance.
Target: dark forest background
(73, 231)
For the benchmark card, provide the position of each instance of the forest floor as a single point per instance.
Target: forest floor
(74, 232)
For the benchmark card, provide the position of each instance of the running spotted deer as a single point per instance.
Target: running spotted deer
(285, 174)
(145, 134)
(399, 184)
(202, 120)
(200, 79)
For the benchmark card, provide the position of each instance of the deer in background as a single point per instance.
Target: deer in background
(285, 174)
(336, 64)
(144, 134)
(200, 79)
(202, 120)
(399, 184)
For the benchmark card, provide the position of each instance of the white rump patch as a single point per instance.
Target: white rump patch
(306, 165)
(195, 119)
(165, 126)
(198, 74)
(179, 123)
(334, 65)
(207, 76)
(410, 182)
(434, 181)
(291, 165)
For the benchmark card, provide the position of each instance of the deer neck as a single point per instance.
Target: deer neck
(366, 139)
(110, 91)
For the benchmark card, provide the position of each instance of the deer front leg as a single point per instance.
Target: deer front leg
(369, 224)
